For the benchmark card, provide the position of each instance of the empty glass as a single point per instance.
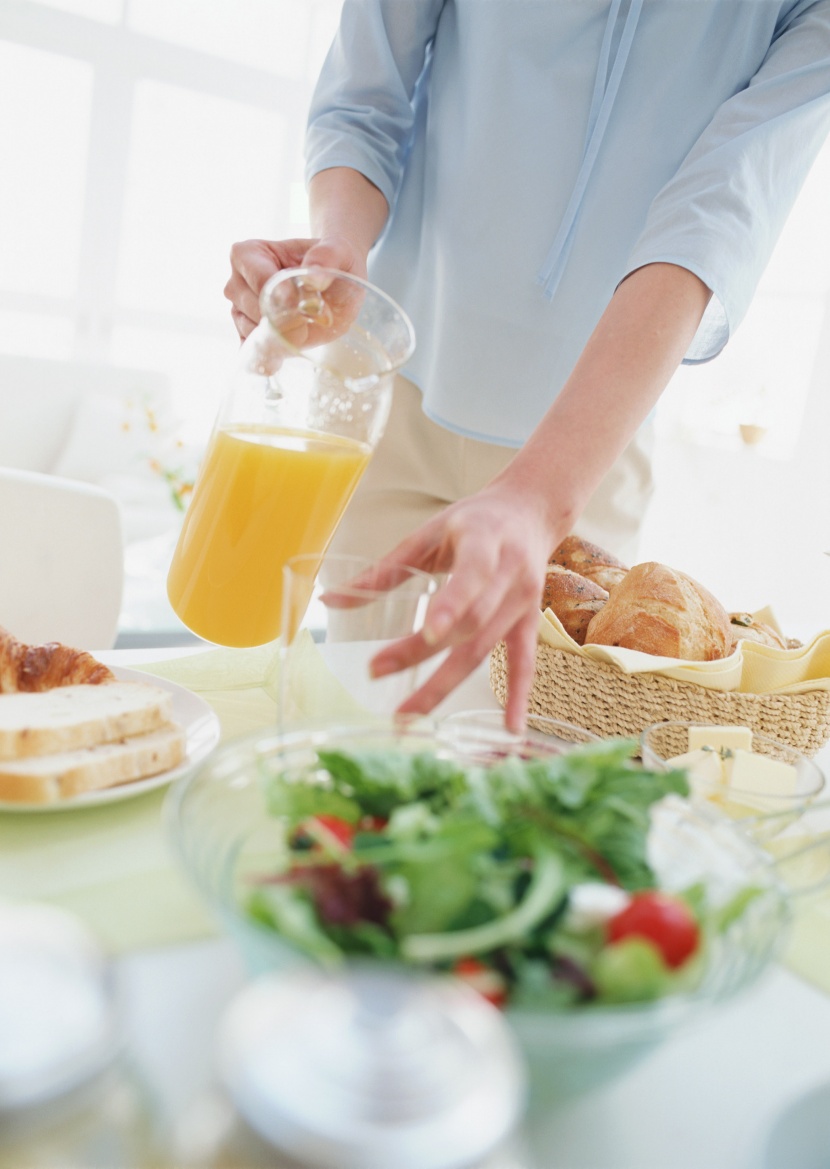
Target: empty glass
(334, 621)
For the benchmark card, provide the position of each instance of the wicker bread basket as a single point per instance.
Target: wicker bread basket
(607, 702)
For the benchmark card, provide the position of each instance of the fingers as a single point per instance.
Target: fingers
(253, 263)
(461, 662)
(335, 252)
(244, 325)
(506, 615)
(521, 666)
(496, 557)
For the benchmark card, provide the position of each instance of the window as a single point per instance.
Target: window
(144, 137)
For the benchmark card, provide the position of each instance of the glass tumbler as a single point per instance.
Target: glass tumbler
(334, 620)
(306, 407)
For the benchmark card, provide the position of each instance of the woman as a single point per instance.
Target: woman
(569, 199)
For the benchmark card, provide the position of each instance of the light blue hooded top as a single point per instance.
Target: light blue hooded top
(535, 152)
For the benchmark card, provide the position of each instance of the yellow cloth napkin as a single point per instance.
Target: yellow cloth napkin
(314, 688)
(724, 674)
(752, 668)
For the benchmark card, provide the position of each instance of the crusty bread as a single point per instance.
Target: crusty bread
(745, 626)
(590, 561)
(46, 778)
(71, 717)
(573, 598)
(42, 667)
(658, 610)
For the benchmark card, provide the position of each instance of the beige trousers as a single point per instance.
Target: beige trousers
(419, 468)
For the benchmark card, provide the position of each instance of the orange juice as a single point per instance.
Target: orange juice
(263, 495)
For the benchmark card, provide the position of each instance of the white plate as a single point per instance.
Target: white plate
(195, 716)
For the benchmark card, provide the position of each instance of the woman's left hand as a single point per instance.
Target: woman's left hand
(495, 544)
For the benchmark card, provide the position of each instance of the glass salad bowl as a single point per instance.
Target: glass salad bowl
(240, 823)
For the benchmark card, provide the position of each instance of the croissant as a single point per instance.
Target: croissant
(43, 667)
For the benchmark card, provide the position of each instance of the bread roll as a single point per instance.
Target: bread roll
(745, 626)
(70, 717)
(43, 779)
(573, 598)
(42, 667)
(658, 610)
(590, 561)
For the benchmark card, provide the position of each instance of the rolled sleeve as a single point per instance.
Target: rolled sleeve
(362, 111)
(722, 213)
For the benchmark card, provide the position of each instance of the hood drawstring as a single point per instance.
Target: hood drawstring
(605, 93)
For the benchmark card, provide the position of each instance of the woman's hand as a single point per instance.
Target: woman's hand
(255, 261)
(496, 545)
(347, 215)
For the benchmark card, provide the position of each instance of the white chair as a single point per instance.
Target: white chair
(61, 560)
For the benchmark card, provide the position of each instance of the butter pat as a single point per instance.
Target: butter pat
(703, 764)
(760, 781)
(721, 738)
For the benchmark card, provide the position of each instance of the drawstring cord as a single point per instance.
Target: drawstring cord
(602, 101)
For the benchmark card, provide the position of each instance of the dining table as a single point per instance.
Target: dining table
(708, 1097)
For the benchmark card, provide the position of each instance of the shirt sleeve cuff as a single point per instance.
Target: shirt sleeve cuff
(342, 152)
(718, 322)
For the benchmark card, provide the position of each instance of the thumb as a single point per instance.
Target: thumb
(335, 253)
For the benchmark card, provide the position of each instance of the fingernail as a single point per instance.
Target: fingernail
(436, 627)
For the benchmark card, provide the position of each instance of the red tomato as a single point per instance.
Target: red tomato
(488, 982)
(342, 831)
(372, 824)
(665, 921)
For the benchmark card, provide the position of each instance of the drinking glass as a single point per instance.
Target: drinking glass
(306, 408)
(334, 619)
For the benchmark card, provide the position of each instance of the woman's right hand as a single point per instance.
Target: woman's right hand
(255, 261)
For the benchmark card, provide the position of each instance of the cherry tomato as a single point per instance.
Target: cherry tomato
(341, 830)
(665, 921)
(372, 824)
(487, 981)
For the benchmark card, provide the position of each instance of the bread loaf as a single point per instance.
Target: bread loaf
(745, 626)
(658, 610)
(590, 561)
(42, 667)
(70, 717)
(573, 598)
(46, 778)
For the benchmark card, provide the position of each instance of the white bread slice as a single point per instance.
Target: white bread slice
(69, 717)
(46, 778)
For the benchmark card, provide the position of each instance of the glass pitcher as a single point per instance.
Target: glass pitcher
(308, 403)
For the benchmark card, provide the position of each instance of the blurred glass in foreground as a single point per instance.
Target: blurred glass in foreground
(67, 1101)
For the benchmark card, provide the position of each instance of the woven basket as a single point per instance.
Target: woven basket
(607, 702)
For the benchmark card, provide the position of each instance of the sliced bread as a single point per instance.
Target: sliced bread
(47, 778)
(70, 717)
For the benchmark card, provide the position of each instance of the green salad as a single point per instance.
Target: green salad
(528, 877)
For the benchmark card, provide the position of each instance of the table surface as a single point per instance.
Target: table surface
(703, 1100)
